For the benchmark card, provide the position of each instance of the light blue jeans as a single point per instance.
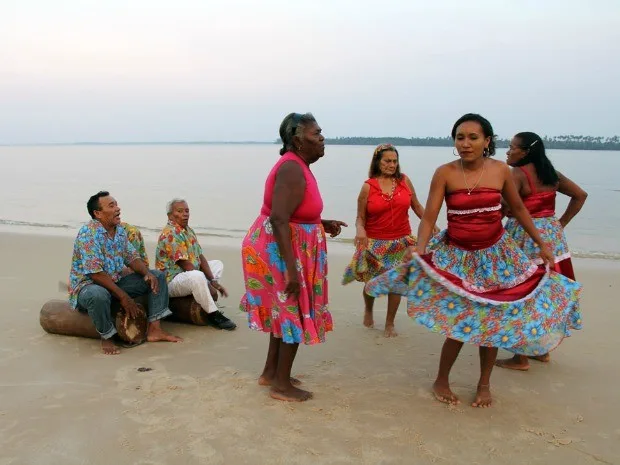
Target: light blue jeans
(97, 301)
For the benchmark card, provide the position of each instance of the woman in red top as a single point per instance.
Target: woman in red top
(538, 182)
(383, 229)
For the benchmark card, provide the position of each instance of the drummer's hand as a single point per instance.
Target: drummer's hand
(152, 281)
(130, 307)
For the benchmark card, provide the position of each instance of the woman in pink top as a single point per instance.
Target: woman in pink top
(285, 258)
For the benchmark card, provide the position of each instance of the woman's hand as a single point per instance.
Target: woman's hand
(547, 256)
(292, 287)
(409, 254)
(333, 227)
(361, 239)
(436, 230)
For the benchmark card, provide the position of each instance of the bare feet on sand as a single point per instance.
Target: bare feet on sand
(157, 334)
(541, 358)
(368, 320)
(390, 331)
(483, 396)
(518, 362)
(444, 394)
(266, 381)
(290, 394)
(109, 348)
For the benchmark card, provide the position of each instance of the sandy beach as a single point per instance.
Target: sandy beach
(63, 402)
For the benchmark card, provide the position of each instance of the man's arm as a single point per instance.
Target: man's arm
(205, 268)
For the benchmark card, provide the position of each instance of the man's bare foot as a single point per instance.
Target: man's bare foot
(291, 394)
(390, 331)
(156, 334)
(265, 381)
(518, 362)
(444, 394)
(109, 348)
(483, 396)
(546, 358)
(369, 322)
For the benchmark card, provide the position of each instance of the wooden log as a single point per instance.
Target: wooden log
(57, 317)
(187, 310)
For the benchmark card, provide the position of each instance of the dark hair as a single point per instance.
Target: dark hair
(487, 130)
(533, 144)
(290, 128)
(94, 204)
(374, 169)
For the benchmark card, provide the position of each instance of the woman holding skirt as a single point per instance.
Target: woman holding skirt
(475, 284)
(538, 182)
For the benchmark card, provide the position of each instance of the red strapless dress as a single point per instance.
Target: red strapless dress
(541, 206)
(477, 286)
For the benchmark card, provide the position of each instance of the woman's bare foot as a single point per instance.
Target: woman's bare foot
(109, 348)
(156, 334)
(290, 394)
(266, 381)
(483, 396)
(518, 362)
(369, 322)
(390, 331)
(546, 358)
(444, 394)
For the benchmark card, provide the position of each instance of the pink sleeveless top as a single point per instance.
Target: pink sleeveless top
(310, 209)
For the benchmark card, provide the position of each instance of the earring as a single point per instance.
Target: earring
(485, 152)
(454, 152)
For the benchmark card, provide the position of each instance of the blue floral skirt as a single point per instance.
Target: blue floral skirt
(493, 297)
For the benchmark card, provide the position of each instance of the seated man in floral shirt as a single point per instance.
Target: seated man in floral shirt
(188, 272)
(100, 253)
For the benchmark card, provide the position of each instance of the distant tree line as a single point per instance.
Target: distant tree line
(569, 142)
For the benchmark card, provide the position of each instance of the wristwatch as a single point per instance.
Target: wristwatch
(213, 281)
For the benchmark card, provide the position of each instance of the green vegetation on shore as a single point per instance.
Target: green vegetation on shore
(557, 142)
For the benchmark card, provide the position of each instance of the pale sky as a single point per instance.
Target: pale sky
(186, 70)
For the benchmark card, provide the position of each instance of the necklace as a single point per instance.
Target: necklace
(390, 196)
(469, 191)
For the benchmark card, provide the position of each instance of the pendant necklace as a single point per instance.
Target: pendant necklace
(469, 191)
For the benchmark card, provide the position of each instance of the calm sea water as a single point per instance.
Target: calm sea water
(45, 188)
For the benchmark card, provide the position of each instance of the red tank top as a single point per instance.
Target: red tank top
(539, 204)
(388, 218)
(310, 209)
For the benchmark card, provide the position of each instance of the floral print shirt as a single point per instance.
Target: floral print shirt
(94, 251)
(176, 243)
(135, 237)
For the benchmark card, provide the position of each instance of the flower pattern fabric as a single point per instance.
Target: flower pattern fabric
(550, 230)
(533, 325)
(176, 243)
(135, 237)
(379, 256)
(493, 295)
(304, 320)
(94, 251)
(501, 266)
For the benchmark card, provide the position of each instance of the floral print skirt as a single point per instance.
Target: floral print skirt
(552, 233)
(379, 256)
(269, 309)
(528, 314)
